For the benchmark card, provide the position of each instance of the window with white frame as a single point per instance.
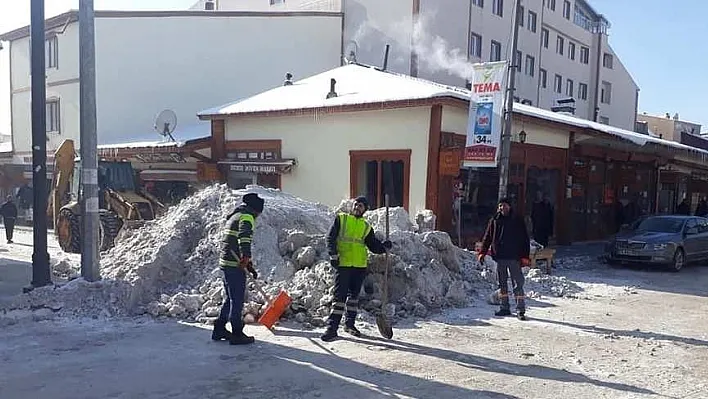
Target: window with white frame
(584, 55)
(566, 9)
(544, 37)
(53, 115)
(521, 15)
(517, 60)
(569, 88)
(583, 91)
(530, 65)
(532, 21)
(604, 120)
(51, 52)
(558, 84)
(498, 7)
(542, 77)
(606, 93)
(551, 4)
(607, 60)
(478, 3)
(495, 51)
(571, 50)
(475, 45)
(560, 44)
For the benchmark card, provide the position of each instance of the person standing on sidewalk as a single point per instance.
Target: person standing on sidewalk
(235, 261)
(8, 210)
(508, 240)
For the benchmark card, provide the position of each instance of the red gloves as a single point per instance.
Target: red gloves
(244, 262)
(526, 262)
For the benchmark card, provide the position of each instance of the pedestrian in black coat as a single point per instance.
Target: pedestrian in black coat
(8, 210)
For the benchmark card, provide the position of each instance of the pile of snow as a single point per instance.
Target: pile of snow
(169, 267)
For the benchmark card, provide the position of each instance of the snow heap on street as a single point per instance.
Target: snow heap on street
(169, 267)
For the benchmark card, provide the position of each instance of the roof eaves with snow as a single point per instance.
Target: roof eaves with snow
(358, 87)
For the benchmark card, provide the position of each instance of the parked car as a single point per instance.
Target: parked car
(672, 241)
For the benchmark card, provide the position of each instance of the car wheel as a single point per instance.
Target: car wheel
(679, 260)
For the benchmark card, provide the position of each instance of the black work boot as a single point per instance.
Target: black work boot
(241, 339)
(352, 330)
(220, 332)
(503, 312)
(521, 314)
(329, 335)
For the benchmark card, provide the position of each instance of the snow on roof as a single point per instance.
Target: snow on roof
(361, 84)
(182, 135)
(356, 84)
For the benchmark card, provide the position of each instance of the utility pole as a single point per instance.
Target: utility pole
(505, 154)
(88, 142)
(40, 256)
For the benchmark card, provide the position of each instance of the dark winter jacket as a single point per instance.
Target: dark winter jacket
(8, 210)
(374, 244)
(237, 237)
(506, 237)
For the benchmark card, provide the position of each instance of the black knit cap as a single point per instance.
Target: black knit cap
(254, 202)
(362, 200)
(505, 201)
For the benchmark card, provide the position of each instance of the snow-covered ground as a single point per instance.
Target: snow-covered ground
(627, 334)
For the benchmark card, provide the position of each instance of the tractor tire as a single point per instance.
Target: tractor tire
(68, 231)
(109, 228)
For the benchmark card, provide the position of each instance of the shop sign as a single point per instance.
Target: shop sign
(255, 168)
(450, 162)
(485, 119)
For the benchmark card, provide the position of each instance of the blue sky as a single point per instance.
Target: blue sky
(661, 43)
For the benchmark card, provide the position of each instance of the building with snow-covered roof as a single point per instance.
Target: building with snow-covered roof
(357, 130)
(148, 61)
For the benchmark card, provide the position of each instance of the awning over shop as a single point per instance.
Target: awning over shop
(265, 166)
(168, 175)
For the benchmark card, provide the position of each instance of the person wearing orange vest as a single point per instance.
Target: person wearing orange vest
(349, 238)
(235, 261)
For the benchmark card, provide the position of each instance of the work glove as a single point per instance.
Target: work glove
(525, 262)
(253, 271)
(387, 245)
(481, 257)
(244, 262)
(334, 261)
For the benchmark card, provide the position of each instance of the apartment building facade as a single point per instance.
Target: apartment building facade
(667, 126)
(563, 47)
(148, 61)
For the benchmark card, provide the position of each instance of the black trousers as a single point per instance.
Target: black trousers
(511, 268)
(235, 287)
(9, 228)
(541, 237)
(347, 285)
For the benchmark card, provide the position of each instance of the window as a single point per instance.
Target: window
(521, 15)
(274, 2)
(53, 116)
(569, 88)
(517, 60)
(607, 60)
(51, 52)
(584, 54)
(530, 65)
(532, 22)
(551, 4)
(542, 76)
(544, 37)
(377, 173)
(558, 83)
(498, 7)
(566, 9)
(583, 91)
(495, 51)
(606, 93)
(604, 120)
(478, 3)
(560, 43)
(475, 45)
(571, 50)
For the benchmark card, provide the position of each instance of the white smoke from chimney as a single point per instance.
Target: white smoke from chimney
(434, 52)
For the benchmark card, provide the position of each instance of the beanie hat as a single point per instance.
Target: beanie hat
(362, 200)
(254, 202)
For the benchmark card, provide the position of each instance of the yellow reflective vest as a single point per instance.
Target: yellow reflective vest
(350, 241)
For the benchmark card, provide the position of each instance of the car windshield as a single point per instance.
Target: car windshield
(660, 225)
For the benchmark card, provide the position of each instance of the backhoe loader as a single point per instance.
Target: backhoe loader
(121, 206)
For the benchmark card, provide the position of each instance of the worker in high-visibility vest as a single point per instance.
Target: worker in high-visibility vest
(348, 240)
(235, 261)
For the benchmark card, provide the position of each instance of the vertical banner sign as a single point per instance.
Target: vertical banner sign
(485, 121)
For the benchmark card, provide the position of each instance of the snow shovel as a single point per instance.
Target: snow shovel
(381, 321)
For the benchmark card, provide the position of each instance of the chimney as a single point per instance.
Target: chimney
(668, 116)
(676, 116)
(332, 93)
(288, 79)
(209, 5)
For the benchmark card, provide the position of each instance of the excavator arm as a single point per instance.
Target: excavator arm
(61, 179)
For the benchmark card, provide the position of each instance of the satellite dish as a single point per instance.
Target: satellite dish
(165, 123)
